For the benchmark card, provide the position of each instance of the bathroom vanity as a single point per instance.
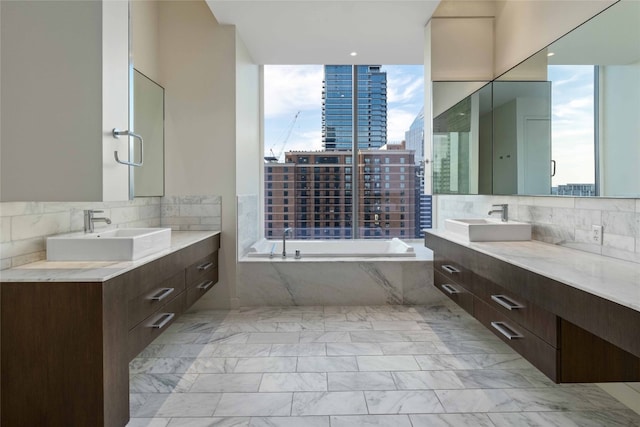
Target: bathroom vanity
(572, 314)
(69, 329)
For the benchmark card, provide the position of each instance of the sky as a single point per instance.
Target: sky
(572, 126)
(289, 89)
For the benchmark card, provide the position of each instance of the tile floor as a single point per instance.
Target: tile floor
(350, 366)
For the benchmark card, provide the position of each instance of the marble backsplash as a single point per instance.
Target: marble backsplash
(564, 221)
(24, 226)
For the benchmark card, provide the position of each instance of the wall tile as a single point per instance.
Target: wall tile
(622, 223)
(28, 226)
(5, 229)
(626, 205)
(20, 208)
(625, 243)
(554, 202)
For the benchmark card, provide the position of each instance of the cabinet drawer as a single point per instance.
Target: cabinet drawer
(200, 268)
(151, 327)
(152, 299)
(542, 355)
(454, 291)
(454, 271)
(201, 287)
(539, 321)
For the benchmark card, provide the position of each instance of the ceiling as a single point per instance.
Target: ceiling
(327, 31)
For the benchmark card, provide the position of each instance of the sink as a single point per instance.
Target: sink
(120, 244)
(488, 229)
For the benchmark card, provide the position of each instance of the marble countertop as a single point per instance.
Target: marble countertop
(609, 278)
(95, 271)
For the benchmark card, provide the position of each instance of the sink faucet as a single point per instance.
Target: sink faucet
(504, 211)
(284, 241)
(89, 220)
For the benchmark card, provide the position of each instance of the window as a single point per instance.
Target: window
(326, 169)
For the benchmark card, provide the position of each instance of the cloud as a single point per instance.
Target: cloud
(398, 122)
(292, 88)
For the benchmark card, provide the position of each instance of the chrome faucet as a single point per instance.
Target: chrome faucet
(89, 220)
(284, 241)
(504, 211)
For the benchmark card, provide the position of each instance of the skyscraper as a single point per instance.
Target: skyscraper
(338, 103)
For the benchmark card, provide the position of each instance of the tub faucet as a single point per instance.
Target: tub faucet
(504, 211)
(284, 241)
(89, 220)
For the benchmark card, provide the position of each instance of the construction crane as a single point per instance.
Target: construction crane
(273, 157)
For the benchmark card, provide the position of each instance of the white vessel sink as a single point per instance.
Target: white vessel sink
(488, 229)
(121, 244)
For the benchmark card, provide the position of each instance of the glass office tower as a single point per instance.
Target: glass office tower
(338, 106)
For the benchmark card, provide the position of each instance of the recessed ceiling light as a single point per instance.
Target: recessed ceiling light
(550, 54)
(354, 54)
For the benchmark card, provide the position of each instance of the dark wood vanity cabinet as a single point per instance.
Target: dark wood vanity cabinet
(66, 346)
(569, 334)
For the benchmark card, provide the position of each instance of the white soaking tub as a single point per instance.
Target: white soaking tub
(361, 248)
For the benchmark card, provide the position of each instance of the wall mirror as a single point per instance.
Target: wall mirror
(148, 121)
(564, 122)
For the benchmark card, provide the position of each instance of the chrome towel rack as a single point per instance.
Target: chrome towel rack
(116, 134)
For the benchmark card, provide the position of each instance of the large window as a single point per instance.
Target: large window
(309, 133)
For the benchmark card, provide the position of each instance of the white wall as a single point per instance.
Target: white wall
(145, 16)
(198, 69)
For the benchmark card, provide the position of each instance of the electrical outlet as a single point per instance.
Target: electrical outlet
(596, 234)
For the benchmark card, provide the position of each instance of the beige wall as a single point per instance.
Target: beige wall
(145, 16)
(524, 27)
(197, 63)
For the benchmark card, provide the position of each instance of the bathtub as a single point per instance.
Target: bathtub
(337, 272)
(394, 248)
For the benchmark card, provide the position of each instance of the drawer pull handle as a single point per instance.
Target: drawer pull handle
(162, 320)
(506, 302)
(449, 289)
(505, 330)
(161, 294)
(450, 269)
(206, 266)
(205, 285)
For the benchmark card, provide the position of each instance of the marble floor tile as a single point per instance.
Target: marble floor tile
(306, 349)
(454, 420)
(266, 364)
(406, 366)
(254, 404)
(407, 325)
(178, 405)
(635, 386)
(210, 422)
(477, 401)
(219, 383)
(213, 365)
(310, 381)
(622, 418)
(409, 348)
(427, 380)
(387, 363)
(328, 403)
(347, 326)
(370, 421)
(148, 422)
(317, 421)
(301, 326)
(354, 349)
(161, 383)
(493, 378)
(326, 337)
(274, 338)
(327, 364)
(402, 402)
(242, 350)
(352, 381)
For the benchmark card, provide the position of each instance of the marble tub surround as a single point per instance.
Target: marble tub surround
(248, 222)
(95, 271)
(611, 279)
(24, 226)
(191, 213)
(389, 366)
(351, 281)
(563, 221)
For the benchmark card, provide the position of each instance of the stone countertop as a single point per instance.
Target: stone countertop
(95, 271)
(609, 278)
